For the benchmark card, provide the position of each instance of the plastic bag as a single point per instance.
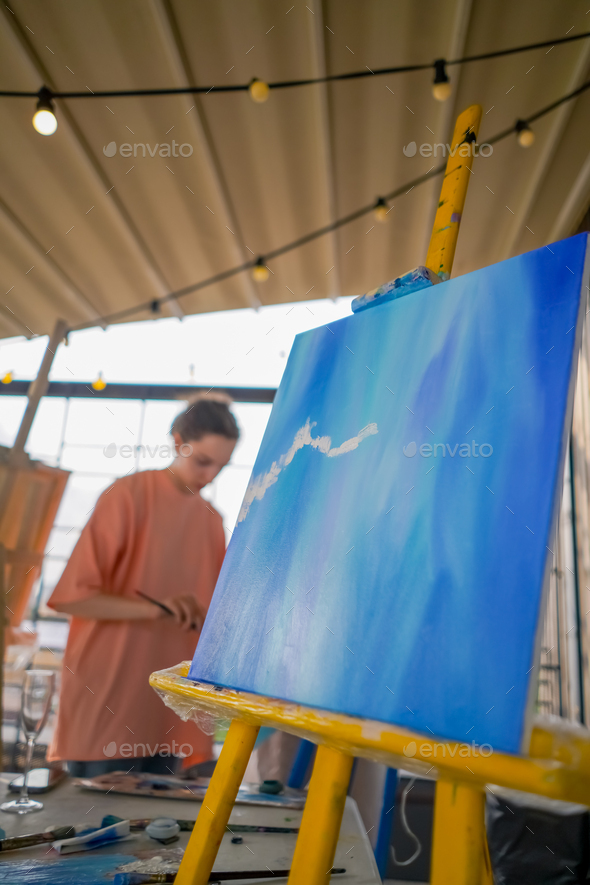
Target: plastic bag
(536, 841)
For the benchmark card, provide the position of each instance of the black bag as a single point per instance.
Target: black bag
(536, 841)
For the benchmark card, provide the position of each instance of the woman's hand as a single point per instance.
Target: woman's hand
(186, 611)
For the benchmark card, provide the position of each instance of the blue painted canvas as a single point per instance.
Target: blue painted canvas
(391, 551)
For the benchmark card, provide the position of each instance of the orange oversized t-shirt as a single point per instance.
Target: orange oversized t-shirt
(144, 534)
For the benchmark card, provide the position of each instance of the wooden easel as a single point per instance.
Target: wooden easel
(30, 494)
(557, 765)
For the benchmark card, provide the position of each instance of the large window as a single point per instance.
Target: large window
(100, 440)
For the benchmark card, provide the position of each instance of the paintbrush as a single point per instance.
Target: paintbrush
(187, 826)
(217, 876)
(156, 602)
(11, 844)
(161, 605)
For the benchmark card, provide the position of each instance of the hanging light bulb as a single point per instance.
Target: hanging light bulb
(7, 378)
(441, 86)
(100, 383)
(380, 211)
(524, 134)
(44, 119)
(260, 271)
(258, 90)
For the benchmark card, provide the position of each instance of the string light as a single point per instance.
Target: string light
(380, 211)
(524, 134)
(259, 90)
(289, 84)
(7, 378)
(44, 119)
(441, 86)
(104, 321)
(260, 271)
(100, 383)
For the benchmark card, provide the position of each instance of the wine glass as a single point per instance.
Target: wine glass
(37, 694)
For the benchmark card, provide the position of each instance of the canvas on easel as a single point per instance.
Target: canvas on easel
(391, 553)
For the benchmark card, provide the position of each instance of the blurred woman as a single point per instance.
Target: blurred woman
(149, 532)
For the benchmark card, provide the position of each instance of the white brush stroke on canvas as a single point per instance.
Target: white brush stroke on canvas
(259, 484)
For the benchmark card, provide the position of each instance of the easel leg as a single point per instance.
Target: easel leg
(487, 875)
(320, 825)
(386, 822)
(458, 836)
(208, 831)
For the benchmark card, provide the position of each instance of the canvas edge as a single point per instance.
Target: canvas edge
(556, 504)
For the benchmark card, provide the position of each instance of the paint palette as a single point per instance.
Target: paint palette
(163, 786)
(85, 870)
(391, 553)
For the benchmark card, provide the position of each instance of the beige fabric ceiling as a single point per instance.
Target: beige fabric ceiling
(83, 235)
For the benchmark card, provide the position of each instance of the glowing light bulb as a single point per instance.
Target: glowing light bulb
(380, 211)
(524, 134)
(441, 91)
(7, 378)
(100, 383)
(258, 90)
(44, 119)
(260, 272)
(441, 86)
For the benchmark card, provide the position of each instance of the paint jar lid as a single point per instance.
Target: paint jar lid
(271, 787)
(163, 828)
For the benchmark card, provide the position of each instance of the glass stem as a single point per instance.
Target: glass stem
(24, 793)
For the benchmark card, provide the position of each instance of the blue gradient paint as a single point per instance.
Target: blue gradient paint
(371, 584)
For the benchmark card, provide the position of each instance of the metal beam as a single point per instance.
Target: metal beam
(85, 153)
(448, 109)
(317, 32)
(182, 70)
(38, 387)
(79, 390)
(73, 295)
(546, 155)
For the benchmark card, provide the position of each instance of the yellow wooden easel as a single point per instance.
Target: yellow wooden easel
(557, 764)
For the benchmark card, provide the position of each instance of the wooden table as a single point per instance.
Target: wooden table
(68, 804)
